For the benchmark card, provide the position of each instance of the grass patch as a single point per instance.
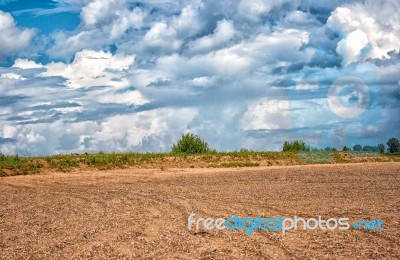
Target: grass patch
(240, 164)
(19, 165)
(315, 157)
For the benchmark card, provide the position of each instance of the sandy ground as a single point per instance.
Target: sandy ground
(142, 214)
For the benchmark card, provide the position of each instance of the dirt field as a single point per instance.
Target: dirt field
(143, 214)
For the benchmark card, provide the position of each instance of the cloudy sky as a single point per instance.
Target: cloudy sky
(126, 75)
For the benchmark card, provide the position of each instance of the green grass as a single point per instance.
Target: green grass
(317, 157)
(17, 165)
(240, 164)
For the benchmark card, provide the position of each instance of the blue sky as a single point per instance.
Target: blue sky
(124, 75)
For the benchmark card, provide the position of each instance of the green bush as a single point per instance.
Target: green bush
(190, 144)
(295, 146)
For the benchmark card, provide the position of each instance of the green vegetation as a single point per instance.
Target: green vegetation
(393, 145)
(357, 148)
(18, 165)
(190, 144)
(295, 146)
(239, 164)
(192, 152)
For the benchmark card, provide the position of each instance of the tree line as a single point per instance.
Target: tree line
(192, 144)
(393, 146)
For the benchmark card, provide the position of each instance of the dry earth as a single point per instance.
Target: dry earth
(142, 214)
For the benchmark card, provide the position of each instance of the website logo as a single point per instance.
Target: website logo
(280, 223)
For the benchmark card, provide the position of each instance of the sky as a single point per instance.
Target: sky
(122, 75)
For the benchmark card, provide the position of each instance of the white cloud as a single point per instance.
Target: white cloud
(160, 39)
(203, 81)
(12, 76)
(278, 47)
(8, 131)
(224, 32)
(299, 18)
(306, 86)
(102, 23)
(91, 68)
(188, 22)
(124, 132)
(26, 64)
(129, 98)
(144, 131)
(254, 10)
(166, 35)
(97, 11)
(370, 34)
(112, 15)
(12, 38)
(33, 137)
(224, 62)
(267, 114)
(351, 47)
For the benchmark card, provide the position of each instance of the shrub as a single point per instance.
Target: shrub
(295, 146)
(190, 144)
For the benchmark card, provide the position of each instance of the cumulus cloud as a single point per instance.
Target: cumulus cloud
(160, 39)
(145, 131)
(366, 32)
(12, 38)
(267, 115)
(91, 68)
(224, 32)
(134, 75)
(112, 16)
(166, 36)
(26, 64)
(256, 10)
(102, 23)
(279, 47)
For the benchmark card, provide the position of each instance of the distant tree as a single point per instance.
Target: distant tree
(357, 148)
(315, 149)
(393, 145)
(190, 144)
(345, 148)
(334, 149)
(328, 149)
(295, 146)
(381, 148)
(369, 148)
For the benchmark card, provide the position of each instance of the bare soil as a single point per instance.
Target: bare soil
(142, 214)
